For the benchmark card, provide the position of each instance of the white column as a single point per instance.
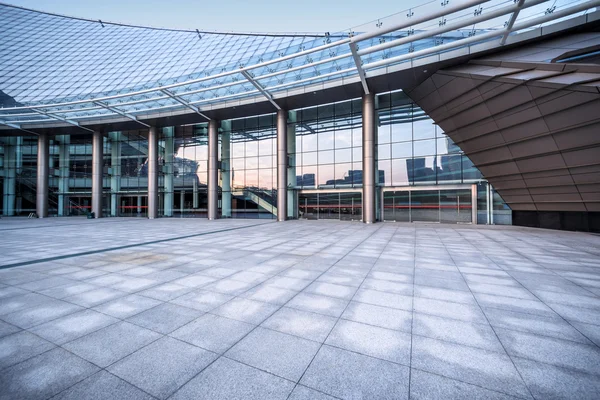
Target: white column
(213, 169)
(152, 173)
(43, 166)
(282, 164)
(369, 131)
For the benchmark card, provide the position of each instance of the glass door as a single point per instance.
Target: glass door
(425, 206)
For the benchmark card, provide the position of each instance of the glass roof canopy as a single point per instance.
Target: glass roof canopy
(56, 70)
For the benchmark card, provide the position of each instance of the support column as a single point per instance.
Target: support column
(226, 169)
(169, 197)
(63, 174)
(97, 170)
(10, 176)
(474, 204)
(282, 164)
(292, 210)
(43, 162)
(195, 192)
(152, 173)
(115, 173)
(369, 163)
(213, 169)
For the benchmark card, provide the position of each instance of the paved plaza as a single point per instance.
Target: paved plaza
(249, 309)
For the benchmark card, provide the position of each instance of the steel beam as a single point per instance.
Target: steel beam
(124, 114)
(185, 103)
(260, 89)
(359, 68)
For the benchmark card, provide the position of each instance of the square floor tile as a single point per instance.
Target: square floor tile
(202, 300)
(166, 291)
(213, 332)
(43, 376)
(94, 297)
(384, 299)
(73, 326)
(227, 379)
(319, 304)
(246, 310)
(300, 323)
(278, 353)
(21, 346)
(127, 306)
(385, 317)
(7, 329)
(41, 313)
(331, 290)
(103, 386)
(372, 341)
(484, 368)
(165, 318)
(426, 386)
(112, 343)
(162, 367)
(270, 294)
(350, 375)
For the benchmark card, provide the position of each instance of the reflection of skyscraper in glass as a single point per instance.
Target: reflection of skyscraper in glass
(354, 177)
(305, 180)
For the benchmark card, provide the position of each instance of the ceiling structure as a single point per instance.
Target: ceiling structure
(63, 72)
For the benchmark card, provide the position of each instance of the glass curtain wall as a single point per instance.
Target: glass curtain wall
(18, 174)
(249, 167)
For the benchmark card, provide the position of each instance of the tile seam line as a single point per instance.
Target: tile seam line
(85, 253)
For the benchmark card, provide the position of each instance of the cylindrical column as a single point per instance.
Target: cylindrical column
(474, 204)
(168, 171)
(152, 173)
(282, 164)
(97, 169)
(41, 204)
(369, 169)
(115, 173)
(213, 169)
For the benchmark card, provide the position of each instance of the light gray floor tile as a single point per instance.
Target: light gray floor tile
(166, 291)
(553, 351)
(388, 286)
(21, 302)
(41, 313)
(426, 386)
(300, 323)
(551, 382)
(229, 286)
(165, 318)
(270, 294)
(464, 312)
(384, 317)
(112, 343)
(73, 326)
(484, 368)
(21, 346)
(103, 386)
(319, 304)
(372, 341)
(95, 297)
(349, 375)
(162, 367)
(44, 376)
(60, 292)
(537, 324)
(7, 329)
(127, 306)
(467, 333)
(384, 299)
(227, 379)
(304, 393)
(246, 310)
(275, 352)
(213, 332)
(202, 300)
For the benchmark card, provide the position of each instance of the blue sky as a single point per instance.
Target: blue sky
(229, 15)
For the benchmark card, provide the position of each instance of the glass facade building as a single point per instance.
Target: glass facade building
(120, 120)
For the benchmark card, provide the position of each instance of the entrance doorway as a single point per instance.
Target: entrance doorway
(452, 204)
(337, 205)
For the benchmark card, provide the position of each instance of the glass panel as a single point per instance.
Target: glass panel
(350, 206)
(425, 205)
(329, 206)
